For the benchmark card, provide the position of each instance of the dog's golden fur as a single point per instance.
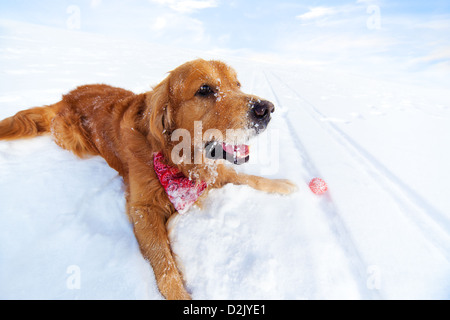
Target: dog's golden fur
(126, 129)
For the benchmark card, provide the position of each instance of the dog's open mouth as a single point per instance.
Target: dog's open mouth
(236, 154)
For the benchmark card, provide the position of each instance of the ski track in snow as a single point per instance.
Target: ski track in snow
(334, 220)
(435, 229)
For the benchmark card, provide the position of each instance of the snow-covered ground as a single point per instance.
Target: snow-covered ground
(381, 232)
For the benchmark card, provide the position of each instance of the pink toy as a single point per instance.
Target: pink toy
(318, 186)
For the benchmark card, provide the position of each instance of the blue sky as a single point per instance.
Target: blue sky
(408, 35)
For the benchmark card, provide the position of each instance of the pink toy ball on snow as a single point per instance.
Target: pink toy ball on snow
(318, 186)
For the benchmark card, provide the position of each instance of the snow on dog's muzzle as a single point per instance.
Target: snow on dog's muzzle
(259, 117)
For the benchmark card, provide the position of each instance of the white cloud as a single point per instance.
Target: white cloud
(317, 12)
(95, 3)
(187, 6)
(321, 15)
(437, 55)
(160, 23)
(438, 24)
(168, 26)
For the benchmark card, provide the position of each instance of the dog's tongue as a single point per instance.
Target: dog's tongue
(236, 154)
(239, 151)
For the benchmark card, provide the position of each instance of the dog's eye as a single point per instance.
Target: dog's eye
(204, 91)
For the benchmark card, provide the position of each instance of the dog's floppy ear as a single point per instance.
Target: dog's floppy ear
(160, 112)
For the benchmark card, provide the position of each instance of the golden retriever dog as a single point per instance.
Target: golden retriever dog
(128, 130)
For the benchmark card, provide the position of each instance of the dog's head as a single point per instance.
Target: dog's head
(203, 99)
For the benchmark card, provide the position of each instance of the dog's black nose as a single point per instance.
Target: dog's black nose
(261, 110)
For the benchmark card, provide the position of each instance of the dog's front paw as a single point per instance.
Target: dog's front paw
(283, 186)
(280, 186)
